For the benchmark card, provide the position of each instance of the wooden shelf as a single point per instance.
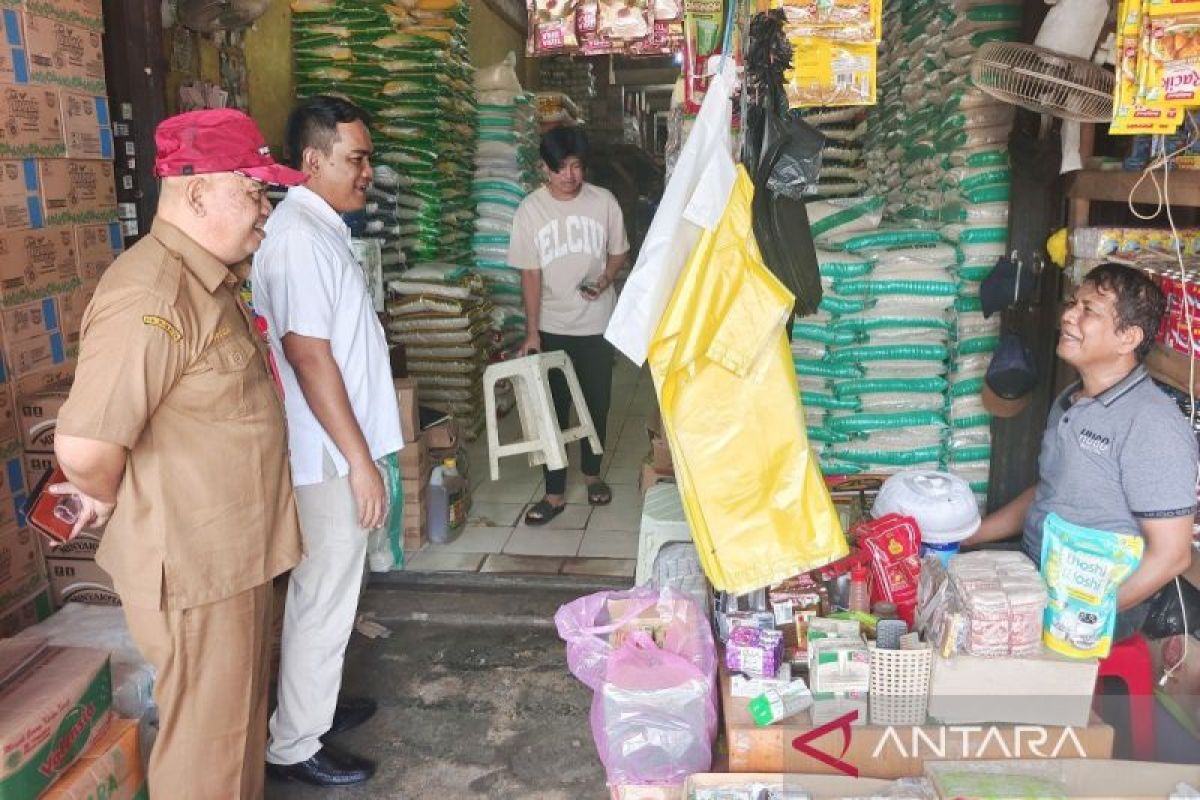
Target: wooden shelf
(1114, 186)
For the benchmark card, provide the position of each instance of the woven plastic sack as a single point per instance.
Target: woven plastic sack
(844, 215)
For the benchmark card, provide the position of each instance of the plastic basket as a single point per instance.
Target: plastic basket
(900, 686)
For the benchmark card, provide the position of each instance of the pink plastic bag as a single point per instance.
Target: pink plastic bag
(649, 657)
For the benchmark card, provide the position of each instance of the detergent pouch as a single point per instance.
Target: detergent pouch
(1083, 569)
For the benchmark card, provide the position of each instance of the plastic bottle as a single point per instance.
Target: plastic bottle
(859, 599)
(457, 494)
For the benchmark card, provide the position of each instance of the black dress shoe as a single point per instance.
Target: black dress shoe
(328, 767)
(351, 712)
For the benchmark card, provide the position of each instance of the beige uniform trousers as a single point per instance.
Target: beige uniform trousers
(211, 692)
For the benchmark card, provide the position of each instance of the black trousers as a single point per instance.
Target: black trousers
(592, 358)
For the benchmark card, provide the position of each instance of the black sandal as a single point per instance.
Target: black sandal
(599, 494)
(542, 512)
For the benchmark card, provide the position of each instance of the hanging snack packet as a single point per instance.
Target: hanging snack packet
(624, 19)
(1083, 568)
(551, 27)
(893, 543)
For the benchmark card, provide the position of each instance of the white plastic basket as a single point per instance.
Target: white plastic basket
(900, 686)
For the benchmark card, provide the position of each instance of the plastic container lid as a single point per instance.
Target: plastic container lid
(942, 504)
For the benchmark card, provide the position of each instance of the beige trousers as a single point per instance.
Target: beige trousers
(211, 692)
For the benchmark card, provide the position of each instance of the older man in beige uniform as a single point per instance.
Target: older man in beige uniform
(174, 429)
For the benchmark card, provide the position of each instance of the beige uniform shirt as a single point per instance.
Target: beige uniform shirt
(171, 368)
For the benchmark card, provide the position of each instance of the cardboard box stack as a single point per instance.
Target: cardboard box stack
(415, 467)
(58, 232)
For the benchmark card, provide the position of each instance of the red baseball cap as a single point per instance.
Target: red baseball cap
(218, 140)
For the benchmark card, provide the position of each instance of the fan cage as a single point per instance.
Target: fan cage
(1044, 81)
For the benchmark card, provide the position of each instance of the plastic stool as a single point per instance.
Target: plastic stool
(663, 522)
(1130, 662)
(543, 441)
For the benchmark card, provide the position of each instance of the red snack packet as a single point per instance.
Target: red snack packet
(893, 545)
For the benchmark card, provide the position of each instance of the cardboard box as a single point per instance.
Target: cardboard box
(410, 417)
(84, 13)
(31, 124)
(897, 751)
(31, 612)
(1080, 778)
(77, 191)
(660, 450)
(414, 462)
(110, 769)
(443, 436)
(62, 54)
(36, 465)
(86, 126)
(80, 580)
(12, 511)
(53, 711)
(14, 61)
(20, 195)
(96, 247)
(71, 306)
(819, 787)
(38, 415)
(1046, 689)
(42, 379)
(12, 470)
(35, 353)
(22, 573)
(36, 264)
(29, 320)
(650, 476)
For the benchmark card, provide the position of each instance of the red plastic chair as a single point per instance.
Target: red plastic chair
(1129, 661)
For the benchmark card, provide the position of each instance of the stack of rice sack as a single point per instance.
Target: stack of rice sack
(843, 171)
(893, 314)
(573, 77)
(406, 63)
(505, 172)
(442, 315)
(936, 151)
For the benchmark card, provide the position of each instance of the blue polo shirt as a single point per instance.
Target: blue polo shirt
(1111, 460)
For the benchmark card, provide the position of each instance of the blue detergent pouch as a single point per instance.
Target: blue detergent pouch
(1082, 569)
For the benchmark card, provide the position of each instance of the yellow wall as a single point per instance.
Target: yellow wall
(268, 48)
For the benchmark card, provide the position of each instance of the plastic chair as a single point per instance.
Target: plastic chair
(1129, 661)
(543, 440)
(663, 522)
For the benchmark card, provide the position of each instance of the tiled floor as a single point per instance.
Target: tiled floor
(599, 542)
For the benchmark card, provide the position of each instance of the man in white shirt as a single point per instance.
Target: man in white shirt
(343, 420)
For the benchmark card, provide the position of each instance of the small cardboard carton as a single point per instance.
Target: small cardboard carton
(77, 191)
(80, 580)
(36, 264)
(51, 711)
(96, 247)
(13, 480)
(660, 450)
(61, 54)
(14, 61)
(22, 573)
(110, 769)
(410, 418)
(31, 123)
(71, 306)
(28, 320)
(20, 195)
(442, 439)
(12, 511)
(37, 464)
(30, 612)
(38, 416)
(414, 461)
(650, 476)
(84, 13)
(35, 353)
(86, 126)
(39, 380)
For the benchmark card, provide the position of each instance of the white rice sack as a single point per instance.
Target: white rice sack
(845, 215)
(903, 369)
(896, 402)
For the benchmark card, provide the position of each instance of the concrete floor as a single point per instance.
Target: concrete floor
(475, 697)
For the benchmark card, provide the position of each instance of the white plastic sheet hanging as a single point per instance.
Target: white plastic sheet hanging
(693, 200)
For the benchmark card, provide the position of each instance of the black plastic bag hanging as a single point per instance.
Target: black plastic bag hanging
(782, 153)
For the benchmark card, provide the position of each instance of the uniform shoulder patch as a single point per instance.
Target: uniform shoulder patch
(155, 321)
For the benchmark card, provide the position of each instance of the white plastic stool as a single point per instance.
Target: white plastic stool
(663, 522)
(543, 441)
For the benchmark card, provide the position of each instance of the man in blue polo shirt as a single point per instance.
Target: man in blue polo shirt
(1117, 455)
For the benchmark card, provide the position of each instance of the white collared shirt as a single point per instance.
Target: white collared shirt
(306, 281)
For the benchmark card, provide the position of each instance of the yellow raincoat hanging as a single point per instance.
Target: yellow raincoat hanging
(754, 497)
